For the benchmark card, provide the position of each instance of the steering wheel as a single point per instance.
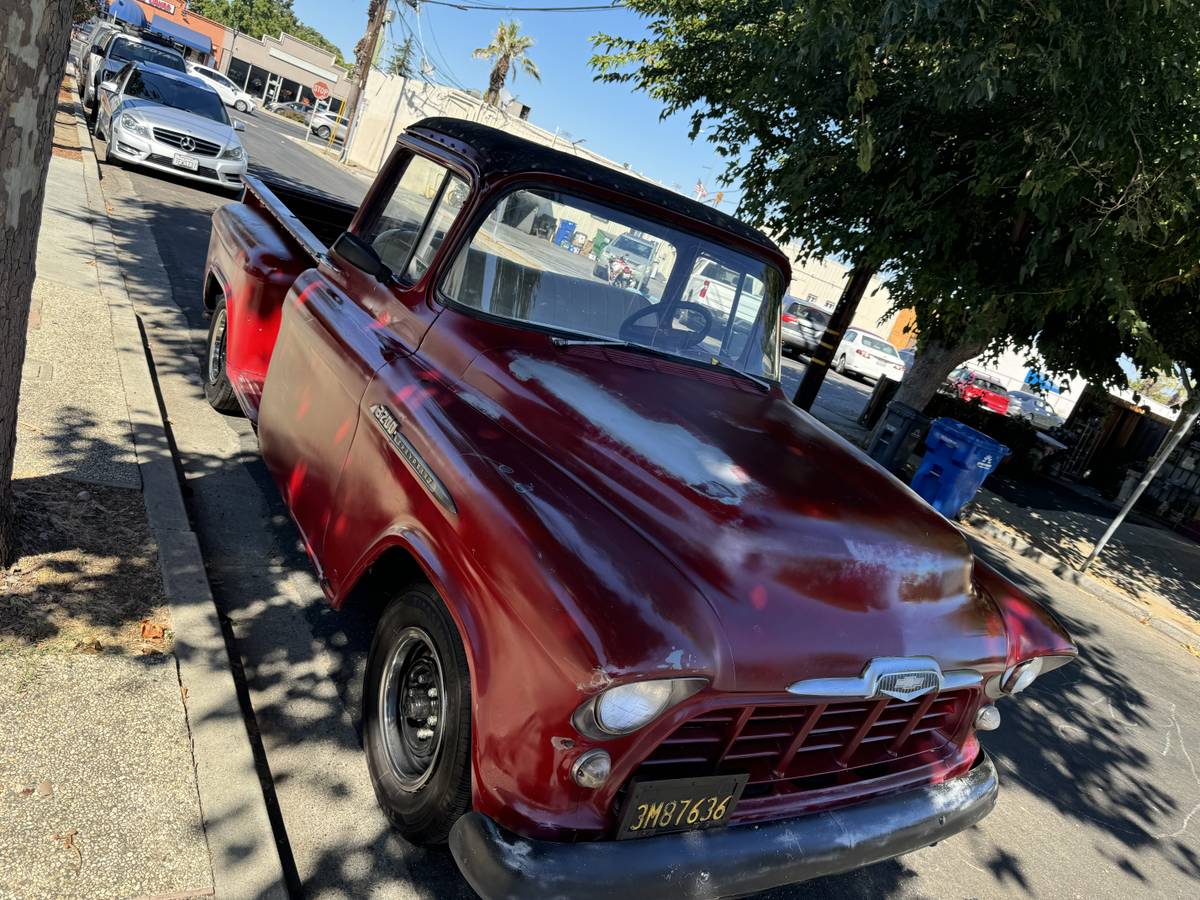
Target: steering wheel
(695, 319)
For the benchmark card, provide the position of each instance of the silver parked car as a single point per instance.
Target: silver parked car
(1024, 405)
(322, 123)
(162, 119)
(803, 326)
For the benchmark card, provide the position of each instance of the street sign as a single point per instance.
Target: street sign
(320, 90)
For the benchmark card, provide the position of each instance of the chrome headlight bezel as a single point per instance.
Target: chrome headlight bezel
(1020, 676)
(592, 720)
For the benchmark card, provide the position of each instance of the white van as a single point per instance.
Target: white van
(231, 94)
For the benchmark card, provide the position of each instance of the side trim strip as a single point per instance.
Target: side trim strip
(389, 425)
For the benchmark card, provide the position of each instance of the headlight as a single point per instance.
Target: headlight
(126, 122)
(233, 153)
(1019, 677)
(628, 707)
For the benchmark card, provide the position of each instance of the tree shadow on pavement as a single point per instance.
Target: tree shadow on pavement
(1144, 557)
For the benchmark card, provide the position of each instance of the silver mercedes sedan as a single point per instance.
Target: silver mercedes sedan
(156, 117)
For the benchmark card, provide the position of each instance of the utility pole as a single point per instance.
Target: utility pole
(1183, 425)
(378, 12)
(843, 315)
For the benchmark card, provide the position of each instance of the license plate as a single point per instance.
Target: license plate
(186, 162)
(681, 804)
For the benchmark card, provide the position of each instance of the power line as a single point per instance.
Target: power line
(471, 7)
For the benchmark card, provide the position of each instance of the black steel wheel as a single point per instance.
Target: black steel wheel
(217, 389)
(417, 717)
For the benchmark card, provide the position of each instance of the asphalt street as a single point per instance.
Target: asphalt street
(1099, 759)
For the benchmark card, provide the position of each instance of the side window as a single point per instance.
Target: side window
(448, 208)
(394, 236)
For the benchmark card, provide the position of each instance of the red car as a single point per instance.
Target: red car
(973, 386)
(644, 625)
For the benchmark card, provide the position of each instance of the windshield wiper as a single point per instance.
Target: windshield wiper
(654, 351)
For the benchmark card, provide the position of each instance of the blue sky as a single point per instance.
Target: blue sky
(614, 121)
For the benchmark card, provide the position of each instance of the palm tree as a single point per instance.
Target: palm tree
(507, 48)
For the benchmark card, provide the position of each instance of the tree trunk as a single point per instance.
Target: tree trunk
(933, 362)
(34, 37)
(496, 81)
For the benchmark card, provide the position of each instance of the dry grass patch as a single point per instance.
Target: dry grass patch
(86, 576)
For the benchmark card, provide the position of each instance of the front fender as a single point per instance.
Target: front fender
(1032, 629)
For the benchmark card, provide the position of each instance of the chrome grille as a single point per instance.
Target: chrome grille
(176, 139)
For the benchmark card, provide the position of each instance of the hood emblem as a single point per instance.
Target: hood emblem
(901, 677)
(187, 143)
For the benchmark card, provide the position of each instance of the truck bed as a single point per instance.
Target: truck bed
(257, 249)
(312, 218)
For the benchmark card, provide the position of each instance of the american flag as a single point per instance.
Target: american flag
(700, 189)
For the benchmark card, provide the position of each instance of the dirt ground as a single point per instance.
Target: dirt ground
(86, 576)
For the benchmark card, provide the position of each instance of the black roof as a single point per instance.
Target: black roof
(506, 153)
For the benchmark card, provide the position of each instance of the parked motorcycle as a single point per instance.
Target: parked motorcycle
(620, 274)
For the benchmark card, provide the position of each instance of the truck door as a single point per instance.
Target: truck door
(339, 326)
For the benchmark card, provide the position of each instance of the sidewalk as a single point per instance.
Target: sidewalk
(98, 792)
(1150, 565)
(126, 769)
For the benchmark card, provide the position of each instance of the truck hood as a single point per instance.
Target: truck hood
(813, 558)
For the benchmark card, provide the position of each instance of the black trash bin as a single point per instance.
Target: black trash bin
(885, 390)
(897, 436)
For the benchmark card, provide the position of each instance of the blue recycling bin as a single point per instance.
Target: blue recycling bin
(957, 460)
(566, 230)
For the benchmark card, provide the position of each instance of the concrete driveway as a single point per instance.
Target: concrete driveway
(1101, 788)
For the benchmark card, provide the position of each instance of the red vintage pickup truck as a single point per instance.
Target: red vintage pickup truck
(645, 626)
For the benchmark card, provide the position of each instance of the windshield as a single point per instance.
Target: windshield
(126, 50)
(518, 266)
(176, 93)
(633, 246)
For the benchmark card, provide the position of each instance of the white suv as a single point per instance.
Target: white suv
(231, 94)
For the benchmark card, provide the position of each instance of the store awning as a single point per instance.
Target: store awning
(201, 43)
(127, 11)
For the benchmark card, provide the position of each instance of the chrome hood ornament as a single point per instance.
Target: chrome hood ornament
(901, 677)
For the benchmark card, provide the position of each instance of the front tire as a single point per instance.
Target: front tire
(217, 389)
(323, 132)
(840, 365)
(417, 717)
(241, 106)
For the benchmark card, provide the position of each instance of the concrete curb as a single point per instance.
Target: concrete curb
(995, 534)
(242, 850)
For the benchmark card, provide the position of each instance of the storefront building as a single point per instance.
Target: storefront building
(283, 69)
(198, 38)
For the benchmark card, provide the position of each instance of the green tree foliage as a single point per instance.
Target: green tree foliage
(1011, 168)
(507, 50)
(403, 59)
(264, 17)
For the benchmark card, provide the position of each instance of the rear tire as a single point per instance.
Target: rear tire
(217, 389)
(840, 366)
(417, 669)
(323, 132)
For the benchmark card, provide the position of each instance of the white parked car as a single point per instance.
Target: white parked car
(867, 356)
(231, 94)
(323, 123)
(162, 119)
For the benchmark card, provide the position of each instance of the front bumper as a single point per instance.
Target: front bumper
(730, 862)
(153, 154)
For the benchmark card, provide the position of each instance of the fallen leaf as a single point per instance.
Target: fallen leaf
(45, 789)
(92, 646)
(68, 843)
(26, 792)
(151, 631)
(183, 692)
